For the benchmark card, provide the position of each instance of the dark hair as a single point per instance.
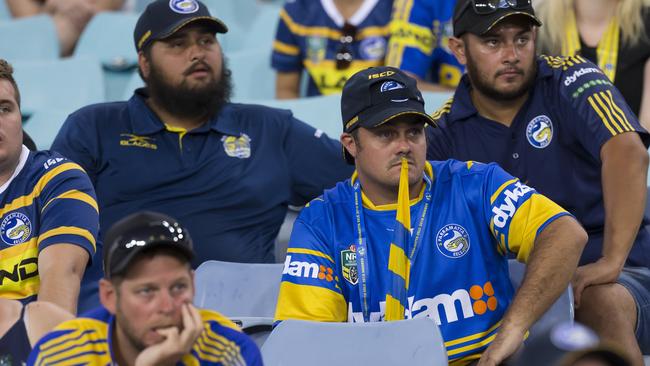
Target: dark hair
(6, 73)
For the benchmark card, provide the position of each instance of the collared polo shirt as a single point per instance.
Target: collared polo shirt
(553, 143)
(229, 182)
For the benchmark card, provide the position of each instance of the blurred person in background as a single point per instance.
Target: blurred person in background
(613, 34)
(329, 39)
(146, 317)
(21, 326)
(180, 147)
(419, 43)
(568, 344)
(48, 212)
(560, 125)
(70, 16)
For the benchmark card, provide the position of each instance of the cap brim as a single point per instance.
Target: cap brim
(486, 23)
(127, 260)
(381, 114)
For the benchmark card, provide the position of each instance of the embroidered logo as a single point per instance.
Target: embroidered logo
(237, 147)
(128, 139)
(539, 132)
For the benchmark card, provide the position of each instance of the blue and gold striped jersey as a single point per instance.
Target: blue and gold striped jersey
(308, 38)
(89, 340)
(419, 42)
(553, 143)
(49, 200)
(478, 215)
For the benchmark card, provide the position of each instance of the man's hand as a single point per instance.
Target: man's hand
(505, 344)
(175, 345)
(600, 272)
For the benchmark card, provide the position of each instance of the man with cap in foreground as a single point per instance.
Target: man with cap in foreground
(558, 124)
(180, 147)
(362, 252)
(147, 316)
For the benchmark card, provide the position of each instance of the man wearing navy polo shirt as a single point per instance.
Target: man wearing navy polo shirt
(559, 125)
(226, 171)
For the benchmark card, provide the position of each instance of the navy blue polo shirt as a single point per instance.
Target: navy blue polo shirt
(229, 181)
(554, 142)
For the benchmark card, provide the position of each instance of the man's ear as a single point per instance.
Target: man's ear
(349, 144)
(457, 46)
(108, 295)
(144, 65)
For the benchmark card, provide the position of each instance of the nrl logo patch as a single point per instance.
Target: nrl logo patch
(349, 264)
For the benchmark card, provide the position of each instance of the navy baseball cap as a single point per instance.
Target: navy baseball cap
(479, 16)
(141, 232)
(376, 95)
(162, 18)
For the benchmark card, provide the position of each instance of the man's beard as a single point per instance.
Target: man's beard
(132, 338)
(184, 101)
(486, 87)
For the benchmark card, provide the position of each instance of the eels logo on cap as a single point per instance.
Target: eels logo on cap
(184, 6)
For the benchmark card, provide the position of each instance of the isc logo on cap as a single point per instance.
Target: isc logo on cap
(184, 6)
(380, 75)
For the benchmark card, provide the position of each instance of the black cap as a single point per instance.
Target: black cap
(564, 344)
(466, 18)
(376, 95)
(140, 232)
(162, 18)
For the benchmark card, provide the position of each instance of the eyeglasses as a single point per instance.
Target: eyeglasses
(483, 7)
(344, 51)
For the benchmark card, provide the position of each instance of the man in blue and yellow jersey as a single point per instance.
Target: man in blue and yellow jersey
(48, 211)
(329, 39)
(180, 147)
(559, 125)
(419, 43)
(147, 317)
(362, 252)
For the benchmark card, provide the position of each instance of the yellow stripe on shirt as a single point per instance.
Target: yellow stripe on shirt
(68, 230)
(310, 252)
(305, 302)
(76, 195)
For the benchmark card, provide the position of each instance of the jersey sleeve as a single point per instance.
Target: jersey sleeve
(286, 55)
(315, 161)
(412, 41)
(310, 287)
(516, 212)
(595, 110)
(69, 212)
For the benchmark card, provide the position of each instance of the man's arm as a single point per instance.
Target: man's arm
(61, 267)
(550, 266)
(624, 173)
(287, 85)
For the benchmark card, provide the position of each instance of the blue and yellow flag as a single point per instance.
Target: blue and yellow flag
(399, 265)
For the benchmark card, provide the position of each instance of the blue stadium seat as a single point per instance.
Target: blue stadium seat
(30, 38)
(43, 126)
(414, 342)
(5, 14)
(434, 100)
(66, 84)
(561, 311)
(253, 77)
(109, 38)
(135, 82)
(238, 289)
